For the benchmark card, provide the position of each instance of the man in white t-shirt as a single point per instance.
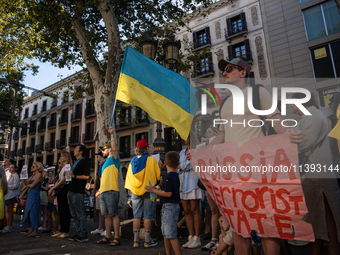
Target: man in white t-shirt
(235, 72)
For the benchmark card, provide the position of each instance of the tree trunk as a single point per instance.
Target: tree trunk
(104, 91)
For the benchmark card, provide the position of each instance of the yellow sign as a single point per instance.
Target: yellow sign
(320, 53)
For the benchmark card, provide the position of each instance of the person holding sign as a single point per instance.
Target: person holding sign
(61, 188)
(235, 72)
(321, 189)
(142, 171)
(32, 209)
(109, 191)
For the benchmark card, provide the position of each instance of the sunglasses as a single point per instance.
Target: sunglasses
(230, 68)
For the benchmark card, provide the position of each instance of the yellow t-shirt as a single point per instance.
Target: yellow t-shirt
(109, 177)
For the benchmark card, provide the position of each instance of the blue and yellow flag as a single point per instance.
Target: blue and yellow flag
(165, 95)
(142, 171)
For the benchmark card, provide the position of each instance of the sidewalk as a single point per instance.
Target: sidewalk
(83, 248)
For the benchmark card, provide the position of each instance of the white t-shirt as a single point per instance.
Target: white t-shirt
(237, 132)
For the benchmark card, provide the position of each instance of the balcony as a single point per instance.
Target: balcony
(90, 111)
(21, 152)
(42, 127)
(39, 148)
(23, 132)
(141, 121)
(13, 154)
(30, 150)
(15, 136)
(54, 104)
(61, 143)
(32, 130)
(76, 116)
(43, 108)
(49, 146)
(52, 124)
(73, 140)
(63, 120)
(123, 123)
(88, 137)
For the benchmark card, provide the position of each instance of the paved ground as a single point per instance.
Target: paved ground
(13, 243)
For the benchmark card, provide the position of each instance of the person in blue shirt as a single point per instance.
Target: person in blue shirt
(170, 202)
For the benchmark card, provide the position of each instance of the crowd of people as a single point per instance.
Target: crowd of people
(180, 186)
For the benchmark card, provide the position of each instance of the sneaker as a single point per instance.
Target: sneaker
(136, 244)
(196, 243)
(6, 229)
(81, 239)
(104, 233)
(97, 231)
(73, 238)
(41, 228)
(188, 243)
(149, 244)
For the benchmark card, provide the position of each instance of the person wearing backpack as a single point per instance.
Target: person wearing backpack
(236, 71)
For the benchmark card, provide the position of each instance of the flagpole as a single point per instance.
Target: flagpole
(113, 112)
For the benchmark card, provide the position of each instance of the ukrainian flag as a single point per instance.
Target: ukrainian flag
(165, 95)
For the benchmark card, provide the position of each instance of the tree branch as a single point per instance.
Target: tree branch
(91, 63)
(114, 51)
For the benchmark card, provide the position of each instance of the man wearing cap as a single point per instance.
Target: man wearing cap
(235, 72)
(109, 191)
(143, 171)
(101, 161)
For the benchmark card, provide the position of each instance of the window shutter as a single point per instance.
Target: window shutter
(229, 27)
(211, 64)
(248, 52)
(194, 37)
(230, 52)
(243, 21)
(207, 32)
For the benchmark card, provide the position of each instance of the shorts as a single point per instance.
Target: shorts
(170, 213)
(11, 201)
(109, 202)
(142, 206)
(43, 197)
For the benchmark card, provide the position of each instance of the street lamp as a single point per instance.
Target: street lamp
(171, 50)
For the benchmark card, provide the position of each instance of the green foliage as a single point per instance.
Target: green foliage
(59, 44)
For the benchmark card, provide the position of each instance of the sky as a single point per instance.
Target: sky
(47, 75)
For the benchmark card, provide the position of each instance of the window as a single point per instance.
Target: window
(236, 25)
(54, 102)
(26, 113)
(65, 97)
(44, 106)
(35, 110)
(124, 146)
(172, 139)
(322, 20)
(304, 1)
(326, 61)
(125, 117)
(240, 50)
(201, 38)
(204, 66)
(142, 136)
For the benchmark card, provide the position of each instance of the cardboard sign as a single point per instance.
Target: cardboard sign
(51, 175)
(256, 185)
(24, 173)
(67, 169)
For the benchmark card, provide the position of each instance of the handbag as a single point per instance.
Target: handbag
(57, 191)
(23, 195)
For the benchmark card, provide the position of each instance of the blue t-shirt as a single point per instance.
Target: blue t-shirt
(171, 184)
